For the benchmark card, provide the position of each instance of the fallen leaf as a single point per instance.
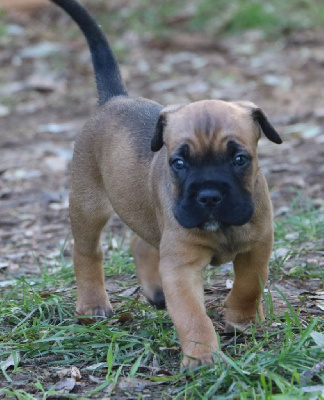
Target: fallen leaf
(281, 253)
(66, 385)
(284, 82)
(15, 30)
(21, 174)
(129, 292)
(134, 383)
(75, 373)
(295, 181)
(315, 370)
(229, 284)
(42, 84)
(318, 295)
(12, 88)
(318, 338)
(58, 128)
(55, 163)
(292, 236)
(311, 389)
(43, 49)
(4, 110)
(304, 131)
(62, 373)
(95, 379)
(125, 317)
(96, 366)
(110, 387)
(281, 211)
(7, 283)
(11, 361)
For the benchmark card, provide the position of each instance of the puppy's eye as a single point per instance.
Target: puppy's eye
(178, 163)
(240, 160)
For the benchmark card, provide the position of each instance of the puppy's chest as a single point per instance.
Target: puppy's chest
(222, 258)
(226, 250)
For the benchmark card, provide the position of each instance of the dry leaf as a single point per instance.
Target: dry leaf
(229, 284)
(96, 366)
(318, 338)
(312, 389)
(66, 385)
(129, 292)
(11, 361)
(134, 383)
(75, 373)
(95, 379)
(62, 373)
(125, 317)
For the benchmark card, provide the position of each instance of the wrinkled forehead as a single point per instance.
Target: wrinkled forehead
(210, 125)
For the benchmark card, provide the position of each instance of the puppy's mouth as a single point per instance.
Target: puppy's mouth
(210, 226)
(232, 210)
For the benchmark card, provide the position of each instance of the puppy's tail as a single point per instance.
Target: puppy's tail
(107, 73)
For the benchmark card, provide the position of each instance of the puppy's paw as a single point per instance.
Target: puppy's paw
(241, 319)
(197, 354)
(189, 362)
(94, 310)
(230, 327)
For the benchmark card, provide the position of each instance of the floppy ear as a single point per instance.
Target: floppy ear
(270, 132)
(157, 139)
(260, 118)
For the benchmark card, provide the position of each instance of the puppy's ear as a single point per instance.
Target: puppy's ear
(260, 118)
(157, 139)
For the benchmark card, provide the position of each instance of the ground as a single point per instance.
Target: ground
(47, 93)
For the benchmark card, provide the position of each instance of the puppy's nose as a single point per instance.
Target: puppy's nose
(209, 198)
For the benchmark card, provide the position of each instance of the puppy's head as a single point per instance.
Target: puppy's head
(211, 147)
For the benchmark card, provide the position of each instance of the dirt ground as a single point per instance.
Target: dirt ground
(47, 92)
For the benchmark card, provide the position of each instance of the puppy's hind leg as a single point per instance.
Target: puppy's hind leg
(146, 258)
(89, 212)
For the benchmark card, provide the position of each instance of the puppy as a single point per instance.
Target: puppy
(186, 181)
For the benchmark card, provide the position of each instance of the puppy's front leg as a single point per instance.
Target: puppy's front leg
(181, 273)
(251, 272)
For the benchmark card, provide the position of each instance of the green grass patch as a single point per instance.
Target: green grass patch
(299, 237)
(39, 337)
(163, 19)
(40, 330)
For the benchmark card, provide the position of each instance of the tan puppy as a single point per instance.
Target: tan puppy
(186, 180)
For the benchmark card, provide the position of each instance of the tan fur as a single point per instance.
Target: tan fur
(108, 174)
(146, 259)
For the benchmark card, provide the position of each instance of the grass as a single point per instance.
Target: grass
(165, 19)
(301, 233)
(39, 337)
(162, 19)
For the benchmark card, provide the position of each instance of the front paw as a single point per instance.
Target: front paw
(197, 354)
(95, 310)
(231, 327)
(241, 319)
